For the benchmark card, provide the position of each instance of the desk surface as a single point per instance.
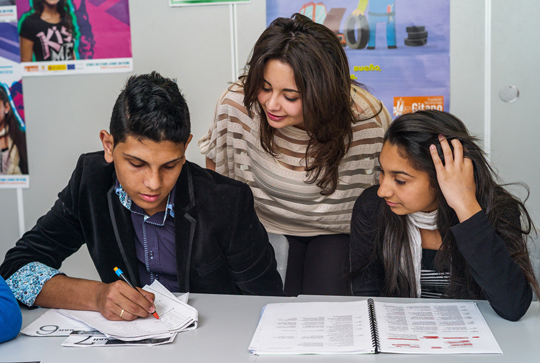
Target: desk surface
(227, 324)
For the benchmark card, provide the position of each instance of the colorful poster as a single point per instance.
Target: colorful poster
(8, 11)
(13, 151)
(399, 49)
(205, 2)
(83, 36)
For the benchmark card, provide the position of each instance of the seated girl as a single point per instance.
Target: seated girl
(438, 224)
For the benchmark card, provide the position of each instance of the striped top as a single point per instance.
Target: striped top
(284, 201)
(433, 283)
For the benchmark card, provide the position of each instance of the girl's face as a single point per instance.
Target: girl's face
(405, 189)
(279, 97)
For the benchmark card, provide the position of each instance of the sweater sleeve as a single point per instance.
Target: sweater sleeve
(222, 141)
(492, 267)
(367, 270)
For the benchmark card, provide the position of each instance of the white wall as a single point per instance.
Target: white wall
(65, 114)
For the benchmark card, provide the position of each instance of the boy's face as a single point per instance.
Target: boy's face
(147, 170)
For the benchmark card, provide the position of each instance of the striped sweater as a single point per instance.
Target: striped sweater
(285, 202)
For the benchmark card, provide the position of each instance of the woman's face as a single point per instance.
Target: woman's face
(405, 189)
(279, 97)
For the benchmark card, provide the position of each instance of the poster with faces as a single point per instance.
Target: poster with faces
(13, 152)
(65, 37)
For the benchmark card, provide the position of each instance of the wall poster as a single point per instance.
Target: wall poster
(13, 151)
(399, 49)
(88, 36)
(8, 11)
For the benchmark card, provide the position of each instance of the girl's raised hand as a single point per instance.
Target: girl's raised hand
(456, 178)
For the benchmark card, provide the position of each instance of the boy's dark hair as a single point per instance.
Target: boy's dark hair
(150, 107)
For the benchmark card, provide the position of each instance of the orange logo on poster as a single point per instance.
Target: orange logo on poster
(404, 105)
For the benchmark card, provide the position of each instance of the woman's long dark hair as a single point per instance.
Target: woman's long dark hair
(413, 134)
(14, 131)
(321, 73)
(61, 6)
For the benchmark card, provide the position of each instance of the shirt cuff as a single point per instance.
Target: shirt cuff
(26, 283)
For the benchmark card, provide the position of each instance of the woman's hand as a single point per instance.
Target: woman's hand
(456, 179)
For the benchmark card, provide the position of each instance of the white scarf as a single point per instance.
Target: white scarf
(417, 221)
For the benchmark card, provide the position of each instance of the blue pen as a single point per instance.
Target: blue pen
(123, 277)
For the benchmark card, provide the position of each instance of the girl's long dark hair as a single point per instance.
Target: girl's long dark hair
(61, 6)
(321, 73)
(14, 131)
(413, 134)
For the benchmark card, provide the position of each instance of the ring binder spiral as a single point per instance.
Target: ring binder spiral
(374, 329)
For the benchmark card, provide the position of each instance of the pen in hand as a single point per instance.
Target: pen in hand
(123, 277)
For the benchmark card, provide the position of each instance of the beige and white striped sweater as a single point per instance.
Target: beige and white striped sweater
(284, 201)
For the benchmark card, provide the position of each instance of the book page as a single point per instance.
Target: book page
(433, 328)
(313, 327)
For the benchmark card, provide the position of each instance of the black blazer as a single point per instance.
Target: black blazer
(221, 247)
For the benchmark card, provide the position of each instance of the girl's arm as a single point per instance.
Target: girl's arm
(26, 49)
(494, 270)
(210, 164)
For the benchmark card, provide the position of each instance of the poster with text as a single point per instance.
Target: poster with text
(74, 36)
(13, 151)
(399, 49)
(8, 11)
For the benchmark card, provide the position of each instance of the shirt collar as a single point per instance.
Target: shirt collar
(126, 201)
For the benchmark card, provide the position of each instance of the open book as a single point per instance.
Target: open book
(366, 326)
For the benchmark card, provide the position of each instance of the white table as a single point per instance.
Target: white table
(227, 324)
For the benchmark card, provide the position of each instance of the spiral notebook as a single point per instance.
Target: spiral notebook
(367, 326)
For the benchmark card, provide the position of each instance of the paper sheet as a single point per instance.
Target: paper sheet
(303, 328)
(434, 328)
(174, 317)
(53, 324)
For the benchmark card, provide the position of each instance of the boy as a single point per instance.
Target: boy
(141, 206)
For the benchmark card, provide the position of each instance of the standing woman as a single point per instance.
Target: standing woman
(47, 32)
(306, 139)
(12, 139)
(439, 224)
